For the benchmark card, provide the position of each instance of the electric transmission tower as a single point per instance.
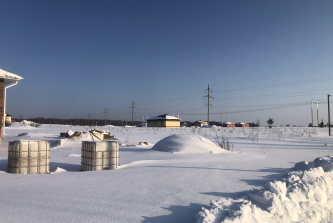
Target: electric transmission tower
(132, 107)
(208, 97)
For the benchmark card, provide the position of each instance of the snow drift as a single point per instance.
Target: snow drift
(179, 143)
(304, 195)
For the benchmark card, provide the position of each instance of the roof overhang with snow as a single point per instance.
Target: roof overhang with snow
(164, 117)
(9, 77)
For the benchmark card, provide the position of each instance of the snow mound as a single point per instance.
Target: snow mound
(74, 155)
(302, 196)
(26, 134)
(82, 136)
(179, 143)
(26, 122)
(70, 132)
(78, 137)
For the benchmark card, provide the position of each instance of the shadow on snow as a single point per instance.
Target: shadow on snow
(184, 214)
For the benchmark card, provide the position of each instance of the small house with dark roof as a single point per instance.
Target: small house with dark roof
(200, 123)
(8, 118)
(242, 124)
(163, 121)
(228, 124)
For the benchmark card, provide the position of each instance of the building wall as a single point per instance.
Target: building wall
(228, 125)
(172, 123)
(157, 123)
(244, 125)
(8, 119)
(163, 123)
(1, 102)
(200, 124)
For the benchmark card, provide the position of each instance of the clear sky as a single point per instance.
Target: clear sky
(261, 58)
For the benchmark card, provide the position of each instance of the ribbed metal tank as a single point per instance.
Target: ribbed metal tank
(28, 157)
(99, 155)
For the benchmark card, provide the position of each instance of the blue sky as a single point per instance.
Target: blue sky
(261, 58)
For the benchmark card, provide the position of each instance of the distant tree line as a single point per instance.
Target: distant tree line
(79, 121)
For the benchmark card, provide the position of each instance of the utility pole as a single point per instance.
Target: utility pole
(133, 107)
(208, 97)
(105, 112)
(312, 112)
(317, 113)
(88, 118)
(221, 119)
(329, 115)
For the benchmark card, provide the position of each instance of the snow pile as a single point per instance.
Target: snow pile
(70, 132)
(23, 122)
(58, 170)
(78, 137)
(186, 144)
(304, 195)
(26, 122)
(27, 134)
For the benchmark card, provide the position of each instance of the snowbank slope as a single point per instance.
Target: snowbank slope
(304, 195)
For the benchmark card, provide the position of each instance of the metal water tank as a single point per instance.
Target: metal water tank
(28, 157)
(99, 155)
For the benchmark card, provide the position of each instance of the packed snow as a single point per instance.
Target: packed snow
(281, 174)
(304, 195)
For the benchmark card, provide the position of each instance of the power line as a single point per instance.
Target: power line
(269, 75)
(279, 85)
(164, 101)
(279, 106)
(284, 95)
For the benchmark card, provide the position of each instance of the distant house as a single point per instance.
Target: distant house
(228, 124)
(242, 124)
(8, 118)
(144, 124)
(185, 124)
(163, 121)
(200, 123)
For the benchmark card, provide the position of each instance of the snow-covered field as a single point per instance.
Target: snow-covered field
(184, 178)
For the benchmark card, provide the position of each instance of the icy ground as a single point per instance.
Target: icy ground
(169, 186)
